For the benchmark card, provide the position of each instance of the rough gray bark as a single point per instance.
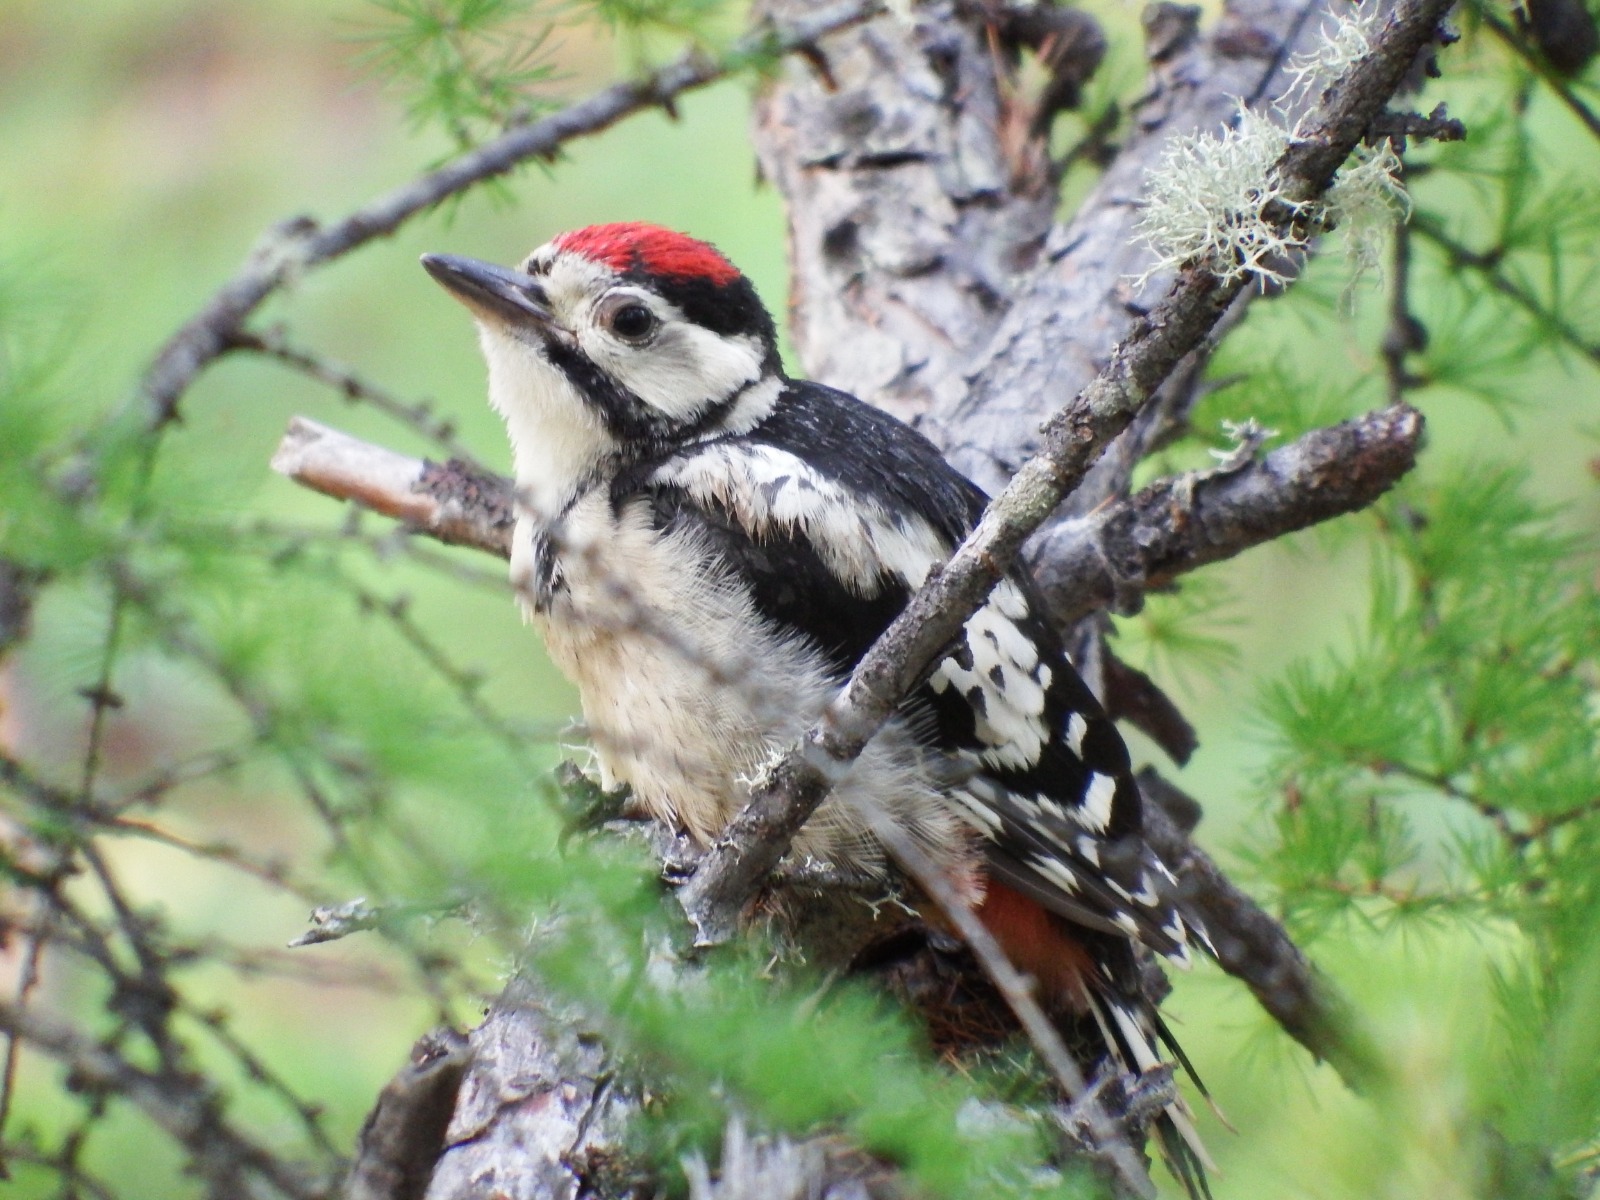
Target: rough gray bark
(404, 1135)
(926, 275)
(915, 193)
(1071, 442)
(540, 1112)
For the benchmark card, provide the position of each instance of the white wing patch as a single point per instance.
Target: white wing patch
(999, 671)
(766, 488)
(1057, 872)
(982, 815)
(1076, 728)
(1095, 814)
(1005, 682)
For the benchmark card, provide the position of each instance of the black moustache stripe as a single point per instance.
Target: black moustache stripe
(627, 418)
(708, 420)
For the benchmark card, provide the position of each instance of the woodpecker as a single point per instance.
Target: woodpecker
(708, 547)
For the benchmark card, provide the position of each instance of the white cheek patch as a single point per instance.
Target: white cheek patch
(684, 370)
(755, 403)
(769, 490)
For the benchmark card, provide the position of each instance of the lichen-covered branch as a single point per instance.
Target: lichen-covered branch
(916, 188)
(1067, 316)
(1110, 559)
(1174, 526)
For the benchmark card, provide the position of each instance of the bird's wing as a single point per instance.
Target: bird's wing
(832, 550)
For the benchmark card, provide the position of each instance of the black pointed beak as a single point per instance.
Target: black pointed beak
(490, 290)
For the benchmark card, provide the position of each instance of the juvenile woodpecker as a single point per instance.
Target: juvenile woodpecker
(709, 547)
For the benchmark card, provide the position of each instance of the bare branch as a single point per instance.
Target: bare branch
(1405, 334)
(1437, 126)
(180, 1103)
(1130, 546)
(1112, 557)
(539, 1112)
(452, 504)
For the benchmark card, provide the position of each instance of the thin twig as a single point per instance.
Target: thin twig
(65, 1165)
(1496, 814)
(178, 1102)
(393, 542)
(1017, 990)
(27, 980)
(467, 685)
(1489, 265)
(419, 416)
(1551, 77)
(1405, 334)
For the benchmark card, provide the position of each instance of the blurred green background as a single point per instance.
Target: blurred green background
(146, 144)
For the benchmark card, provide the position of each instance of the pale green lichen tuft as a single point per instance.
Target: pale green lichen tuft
(1208, 201)
(1349, 34)
(1365, 201)
(1213, 198)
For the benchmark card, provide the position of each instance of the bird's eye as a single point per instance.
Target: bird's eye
(633, 322)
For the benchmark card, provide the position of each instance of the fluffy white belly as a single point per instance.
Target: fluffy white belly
(688, 693)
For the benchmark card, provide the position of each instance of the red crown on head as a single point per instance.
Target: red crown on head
(631, 245)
